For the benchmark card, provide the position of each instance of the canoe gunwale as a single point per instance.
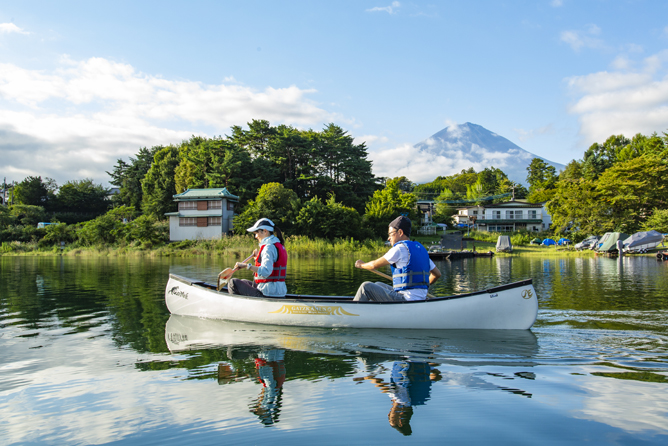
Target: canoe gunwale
(347, 299)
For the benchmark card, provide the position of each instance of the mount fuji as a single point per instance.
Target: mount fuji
(472, 145)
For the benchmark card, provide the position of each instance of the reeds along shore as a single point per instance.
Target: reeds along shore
(237, 246)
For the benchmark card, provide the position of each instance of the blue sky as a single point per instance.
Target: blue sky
(84, 83)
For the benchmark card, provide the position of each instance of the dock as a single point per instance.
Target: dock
(456, 255)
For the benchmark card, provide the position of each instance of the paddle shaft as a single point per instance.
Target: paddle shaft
(390, 278)
(233, 270)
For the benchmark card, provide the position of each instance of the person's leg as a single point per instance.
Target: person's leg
(243, 287)
(377, 292)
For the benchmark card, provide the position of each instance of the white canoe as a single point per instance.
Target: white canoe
(513, 306)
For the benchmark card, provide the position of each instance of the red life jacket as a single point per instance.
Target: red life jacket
(280, 265)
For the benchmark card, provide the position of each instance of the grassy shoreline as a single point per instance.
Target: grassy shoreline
(298, 246)
(235, 246)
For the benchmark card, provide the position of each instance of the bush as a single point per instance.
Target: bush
(103, 230)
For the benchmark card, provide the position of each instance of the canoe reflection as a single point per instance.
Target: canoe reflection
(461, 347)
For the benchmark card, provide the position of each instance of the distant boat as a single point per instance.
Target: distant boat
(608, 243)
(643, 241)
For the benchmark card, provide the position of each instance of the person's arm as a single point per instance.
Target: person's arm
(374, 264)
(434, 275)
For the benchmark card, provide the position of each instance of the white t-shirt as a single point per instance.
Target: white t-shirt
(399, 255)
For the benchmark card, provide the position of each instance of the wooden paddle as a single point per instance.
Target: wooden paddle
(390, 277)
(227, 272)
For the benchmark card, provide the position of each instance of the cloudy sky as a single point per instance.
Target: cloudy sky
(85, 83)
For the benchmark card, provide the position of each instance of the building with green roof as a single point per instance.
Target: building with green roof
(202, 214)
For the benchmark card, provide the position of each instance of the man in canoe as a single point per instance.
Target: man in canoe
(412, 269)
(270, 265)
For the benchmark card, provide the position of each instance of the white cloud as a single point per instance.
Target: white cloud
(622, 102)
(557, 3)
(583, 39)
(423, 166)
(525, 135)
(8, 28)
(370, 139)
(76, 120)
(389, 9)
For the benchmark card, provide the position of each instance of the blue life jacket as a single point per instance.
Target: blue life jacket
(416, 273)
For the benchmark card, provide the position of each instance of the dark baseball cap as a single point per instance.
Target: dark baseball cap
(403, 223)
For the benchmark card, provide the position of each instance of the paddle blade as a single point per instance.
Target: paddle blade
(226, 273)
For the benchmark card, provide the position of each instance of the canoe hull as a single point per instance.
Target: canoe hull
(512, 306)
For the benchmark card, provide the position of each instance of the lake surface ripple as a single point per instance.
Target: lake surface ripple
(90, 355)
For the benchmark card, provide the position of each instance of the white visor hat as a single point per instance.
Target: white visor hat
(263, 223)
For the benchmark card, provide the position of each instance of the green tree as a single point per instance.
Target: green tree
(60, 232)
(32, 191)
(600, 157)
(28, 215)
(631, 190)
(158, 185)
(657, 221)
(147, 230)
(82, 196)
(575, 205)
(128, 177)
(540, 175)
(387, 204)
(275, 202)
(102, 230)
(329, 220)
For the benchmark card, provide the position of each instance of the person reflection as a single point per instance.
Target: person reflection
(409, 386)
(270, 367)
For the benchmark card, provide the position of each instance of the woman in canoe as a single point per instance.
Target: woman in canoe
(270, 265)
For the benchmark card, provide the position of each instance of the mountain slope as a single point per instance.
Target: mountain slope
(476, 146)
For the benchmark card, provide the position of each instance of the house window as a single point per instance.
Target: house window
(496, 214)
(187, 205)
(513, 215)
(500, 228)
(215, 221)
(475, 213)
(217, 204)
(230, 206)
(533, 214)
(187, 221)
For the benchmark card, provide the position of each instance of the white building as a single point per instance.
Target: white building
(515, 215)
(202, 214)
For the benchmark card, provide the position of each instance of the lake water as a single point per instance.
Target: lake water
(90, 355)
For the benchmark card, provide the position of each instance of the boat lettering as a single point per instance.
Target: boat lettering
(318, 310)
(177, 292)
(527, 294)
(175, 338)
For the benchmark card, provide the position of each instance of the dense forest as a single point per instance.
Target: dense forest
(321, 185)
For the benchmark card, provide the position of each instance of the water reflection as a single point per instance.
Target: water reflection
(90, 355)
(409, 386)
(461, 347)
(401, 363)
